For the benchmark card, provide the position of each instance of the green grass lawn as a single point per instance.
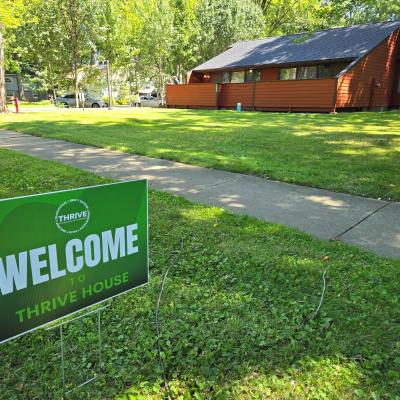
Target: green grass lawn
(356, 153)
(233, 317)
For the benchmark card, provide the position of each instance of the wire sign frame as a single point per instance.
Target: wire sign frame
(60, 327)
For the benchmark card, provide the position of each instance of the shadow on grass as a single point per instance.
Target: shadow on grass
(234, 319)
(353, 153)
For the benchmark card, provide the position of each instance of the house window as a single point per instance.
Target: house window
(287, 73)
(237, 77)
(307, 72)
(226, 77)
(8, 79)
(324, 71)
(252, 76)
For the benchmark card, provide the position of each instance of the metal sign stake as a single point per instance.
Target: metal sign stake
(65, 392)
(62, 361)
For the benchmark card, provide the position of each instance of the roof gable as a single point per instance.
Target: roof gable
(332, 44)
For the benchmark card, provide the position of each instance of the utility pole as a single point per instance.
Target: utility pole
(109, 85)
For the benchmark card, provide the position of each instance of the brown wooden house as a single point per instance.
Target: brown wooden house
(354, 68)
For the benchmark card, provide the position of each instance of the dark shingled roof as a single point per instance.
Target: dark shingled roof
(332, 44)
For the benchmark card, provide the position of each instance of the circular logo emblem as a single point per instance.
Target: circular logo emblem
(72, 216)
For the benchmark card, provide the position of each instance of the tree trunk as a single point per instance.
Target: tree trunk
(160, 81)
(21, 94)
(109, 85)
(3, 100)
(76, 93)
(76, 88)
(160, 85)
(136, 79)
(54, 94)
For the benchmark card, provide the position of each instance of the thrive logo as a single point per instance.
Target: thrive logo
(72, 216)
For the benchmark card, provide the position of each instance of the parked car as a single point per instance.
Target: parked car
(149, 101)
(90, 102)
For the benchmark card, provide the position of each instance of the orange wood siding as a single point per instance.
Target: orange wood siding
(305, 94)
(192, 95)
(283, 95)
(233, 93)
(295, 95)
(356, 88)
(270, 74)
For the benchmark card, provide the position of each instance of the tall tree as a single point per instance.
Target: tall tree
(79, 20)
(223, 22)
(41, 45)
(350, 12)
(112, 38)
(135, 62)
(12, 14)
(185, 48)
(156, 39)
(290, 16)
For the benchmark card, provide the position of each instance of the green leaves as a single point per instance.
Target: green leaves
(224, 22)
(12, 12)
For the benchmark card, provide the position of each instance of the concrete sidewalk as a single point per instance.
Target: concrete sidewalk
(368, 223)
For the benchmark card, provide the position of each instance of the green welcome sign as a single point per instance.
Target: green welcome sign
(64, 251)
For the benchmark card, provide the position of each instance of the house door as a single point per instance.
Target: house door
(396, 91)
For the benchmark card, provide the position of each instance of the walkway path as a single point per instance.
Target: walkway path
(368, 223)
